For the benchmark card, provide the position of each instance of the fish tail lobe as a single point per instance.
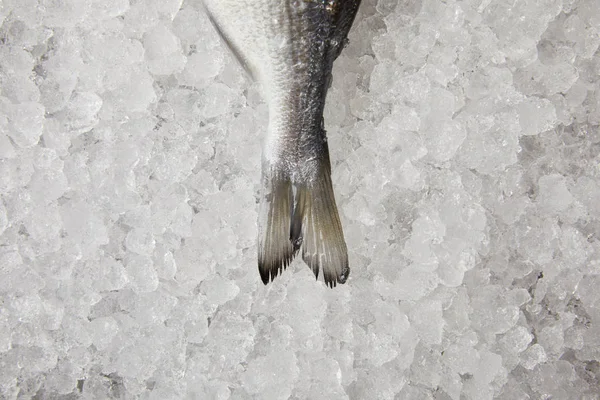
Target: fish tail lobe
(301, 215)
(275, 250)
(317, 227)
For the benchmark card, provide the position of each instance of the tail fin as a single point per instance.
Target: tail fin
(311, 222)
(275, 250)
(323, 245)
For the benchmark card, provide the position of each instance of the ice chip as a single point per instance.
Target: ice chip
(140, 241)
(48, 185)
(230, 338)
(81, 111)
(83, 225)
(415, 282)
(58, 14)
(26, 123)
(492, 141)
(426, 369)
(536, 116)
(554, 196)
(552, 339)
(141, 274)
(44, 224)
(426, 318)
(102, 331)
(443, 138)
(217, 100)
(106, 9)
(45, 158)
(516, 340)
(3, 218)
(533, 356)
(108, 275)
(166, 267)
(496, 312)
(535, 239)
(153, 308)
(272, 376)
(574, 246)
(163, 51)
(7, 150)
(426, 230)
(219, 290)
(382, 79)
(200, 69)
(135, 94)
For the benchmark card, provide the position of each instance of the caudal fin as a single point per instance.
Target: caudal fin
(304, 215)
(275, 250)
(323, 245)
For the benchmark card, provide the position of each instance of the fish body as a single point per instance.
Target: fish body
(288, 47)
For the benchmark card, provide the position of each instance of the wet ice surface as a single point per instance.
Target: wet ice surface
(465, 149)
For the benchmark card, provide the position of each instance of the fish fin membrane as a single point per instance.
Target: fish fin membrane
(342, 19)
(320, 231)
(275, 250)
(230, 45)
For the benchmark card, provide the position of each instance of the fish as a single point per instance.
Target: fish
(288, 47)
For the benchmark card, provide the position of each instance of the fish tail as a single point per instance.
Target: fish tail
(321, 234)
(275, 250)
(302, 215)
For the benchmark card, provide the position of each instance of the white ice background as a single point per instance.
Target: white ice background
(465, 147)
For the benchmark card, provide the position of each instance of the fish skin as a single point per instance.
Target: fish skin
(288, 47)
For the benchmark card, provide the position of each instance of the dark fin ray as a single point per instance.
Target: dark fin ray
(275, 250)
(296, 225)
(323, 245)
(232, 48)
(342, 16)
